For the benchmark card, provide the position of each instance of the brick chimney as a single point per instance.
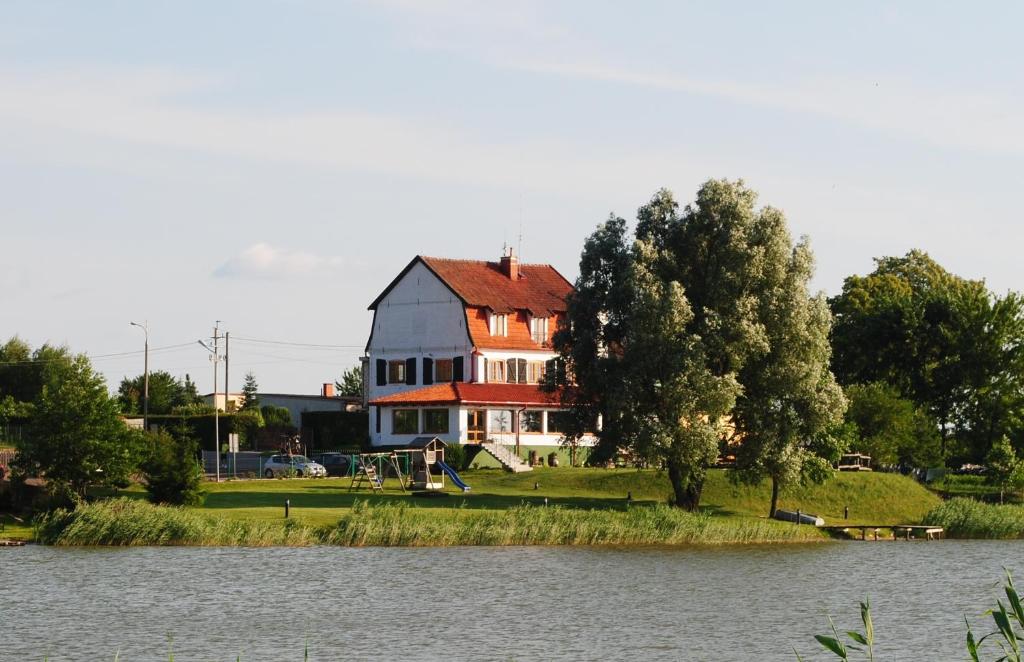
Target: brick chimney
(510, 265)
(328, 390)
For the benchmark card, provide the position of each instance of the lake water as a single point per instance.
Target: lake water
(479, 603)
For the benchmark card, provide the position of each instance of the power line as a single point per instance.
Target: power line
(97, 356)
(297, 344)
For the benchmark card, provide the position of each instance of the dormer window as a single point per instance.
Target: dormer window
(499, 324)
(539, 329)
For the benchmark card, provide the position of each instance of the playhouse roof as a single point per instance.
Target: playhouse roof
(471, 394)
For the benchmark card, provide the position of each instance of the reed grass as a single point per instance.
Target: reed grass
(128, 522)
(967, 518)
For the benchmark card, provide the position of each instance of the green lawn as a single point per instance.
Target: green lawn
(871, 498)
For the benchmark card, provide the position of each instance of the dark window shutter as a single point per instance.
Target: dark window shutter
(378, 419)
(521, 371)
(428, 371)
(457, 369)
(410, 371)
(382, 372)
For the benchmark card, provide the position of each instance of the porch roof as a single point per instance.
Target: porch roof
(471, 394)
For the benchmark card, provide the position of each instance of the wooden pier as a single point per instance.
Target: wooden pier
(899, 531)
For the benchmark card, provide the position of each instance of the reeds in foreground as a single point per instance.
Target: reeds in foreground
(967, 518)
(126, 522)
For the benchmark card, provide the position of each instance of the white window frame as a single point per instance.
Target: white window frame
(539, 329)
(498, 323)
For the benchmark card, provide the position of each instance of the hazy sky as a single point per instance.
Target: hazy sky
(275, 164)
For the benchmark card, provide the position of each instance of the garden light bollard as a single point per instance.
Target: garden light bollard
(287, 504)
(846, 512)
(798, 517)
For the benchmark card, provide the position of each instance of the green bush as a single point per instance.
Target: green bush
(172, 470)
(455, 456)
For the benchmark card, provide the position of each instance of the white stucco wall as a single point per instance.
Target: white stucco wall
(420, 317)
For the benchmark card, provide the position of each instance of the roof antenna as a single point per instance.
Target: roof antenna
(520, 249)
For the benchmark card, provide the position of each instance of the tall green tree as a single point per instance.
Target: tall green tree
(790, 396)
(946, 343)
(77, 438)
(165, 393)
(660, 328)
(351, 382)
(250, 393)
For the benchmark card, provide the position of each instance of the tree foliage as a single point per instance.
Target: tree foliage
(662, 329)
(250, 393)
(946, 343)
(171, 469)
(891, 428)
(351, 382)
(76, 437)
(166, 394)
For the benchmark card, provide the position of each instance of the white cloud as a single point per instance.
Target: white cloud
(261, 260)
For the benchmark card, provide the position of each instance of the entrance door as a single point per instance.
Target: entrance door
(475, 430)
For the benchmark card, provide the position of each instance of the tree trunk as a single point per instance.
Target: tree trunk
(775, 498)
(686, 487)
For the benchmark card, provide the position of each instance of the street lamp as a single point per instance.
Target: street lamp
(145, 388)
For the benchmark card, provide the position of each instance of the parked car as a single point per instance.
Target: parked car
(297, 465)
(337, 464)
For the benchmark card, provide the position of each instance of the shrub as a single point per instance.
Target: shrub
(967, 518)
(171, 470)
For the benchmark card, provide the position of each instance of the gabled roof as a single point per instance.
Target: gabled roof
(472, 394)
(539, 288)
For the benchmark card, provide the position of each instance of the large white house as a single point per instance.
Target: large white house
(458, 349)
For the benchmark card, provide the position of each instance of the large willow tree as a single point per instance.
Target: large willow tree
(663, 328)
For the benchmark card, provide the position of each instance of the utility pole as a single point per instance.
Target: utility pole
(215, 358)
(145, 379)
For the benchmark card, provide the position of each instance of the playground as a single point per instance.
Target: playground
(418, 466)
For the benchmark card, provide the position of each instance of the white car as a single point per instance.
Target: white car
(299, 466)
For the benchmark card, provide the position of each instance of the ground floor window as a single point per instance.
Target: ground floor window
(476, 420)
(558, 421)
(531, 420)
(405, 421)
(501, 420)
(435, 421)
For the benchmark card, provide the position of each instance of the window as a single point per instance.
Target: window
(516, 371)
(442, 370)
(558, 421)
(496, 372)
(500, 419)
(535, 372)
(396, 372)
(405, 421)
(499, 324)
(530, 421)
(539, 329)
(435, 421)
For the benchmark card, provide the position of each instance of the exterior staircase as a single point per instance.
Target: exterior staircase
(506, 457)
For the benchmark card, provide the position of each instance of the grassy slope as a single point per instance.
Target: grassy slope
(872, 498)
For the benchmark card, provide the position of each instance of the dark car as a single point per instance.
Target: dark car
(337, 464)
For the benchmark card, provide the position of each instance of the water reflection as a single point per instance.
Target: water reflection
(522, 603)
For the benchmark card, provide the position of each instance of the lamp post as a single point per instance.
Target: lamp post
(215, 358)
(145, 379)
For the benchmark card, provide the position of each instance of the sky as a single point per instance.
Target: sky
(274, 165)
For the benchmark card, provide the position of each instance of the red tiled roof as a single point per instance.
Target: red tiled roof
(474, 394)
(539, 289)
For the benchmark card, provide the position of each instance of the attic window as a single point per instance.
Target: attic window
(499, 324)
(539, 329)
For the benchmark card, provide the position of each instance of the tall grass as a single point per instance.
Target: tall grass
(125, 522)
(967, 518)
(131, 522)
(401, 525)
